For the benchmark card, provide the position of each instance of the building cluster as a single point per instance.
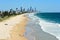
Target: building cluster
(17, 11)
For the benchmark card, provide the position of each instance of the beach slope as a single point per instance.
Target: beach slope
(13, 28)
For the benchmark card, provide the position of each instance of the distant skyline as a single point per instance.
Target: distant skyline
(41, 5)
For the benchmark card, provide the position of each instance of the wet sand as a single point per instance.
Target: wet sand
(34, 30)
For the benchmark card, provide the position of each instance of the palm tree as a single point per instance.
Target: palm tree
(4, 13)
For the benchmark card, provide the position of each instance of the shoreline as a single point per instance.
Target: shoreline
(35, 30)
(23, 27)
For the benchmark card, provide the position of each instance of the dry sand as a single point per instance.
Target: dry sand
(13, 28)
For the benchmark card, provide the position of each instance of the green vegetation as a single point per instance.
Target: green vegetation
(6, 17)
(6, 14)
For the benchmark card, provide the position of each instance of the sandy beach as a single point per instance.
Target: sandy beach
(23, 27)
(13, 28)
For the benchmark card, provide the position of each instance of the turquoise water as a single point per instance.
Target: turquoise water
(50, 23)
(55, 17)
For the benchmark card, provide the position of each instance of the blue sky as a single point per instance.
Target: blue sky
(41, 5)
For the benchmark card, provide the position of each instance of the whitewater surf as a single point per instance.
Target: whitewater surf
(39, 29)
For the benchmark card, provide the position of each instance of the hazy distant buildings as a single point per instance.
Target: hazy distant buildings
(17, 11)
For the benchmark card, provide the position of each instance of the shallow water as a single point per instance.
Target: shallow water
(34, 30)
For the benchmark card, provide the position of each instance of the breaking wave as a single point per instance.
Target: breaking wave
(50, 27)
(46, 26)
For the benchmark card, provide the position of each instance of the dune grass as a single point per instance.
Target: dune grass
(6, 17)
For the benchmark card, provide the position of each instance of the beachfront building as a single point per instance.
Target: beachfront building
(17, 11)
(30, 10)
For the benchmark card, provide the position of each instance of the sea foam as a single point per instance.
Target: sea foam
(49, 27)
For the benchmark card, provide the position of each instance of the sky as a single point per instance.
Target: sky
(41, 5)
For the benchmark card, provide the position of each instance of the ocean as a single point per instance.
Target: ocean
(50, 23)
(38, 28)
(52, 17)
